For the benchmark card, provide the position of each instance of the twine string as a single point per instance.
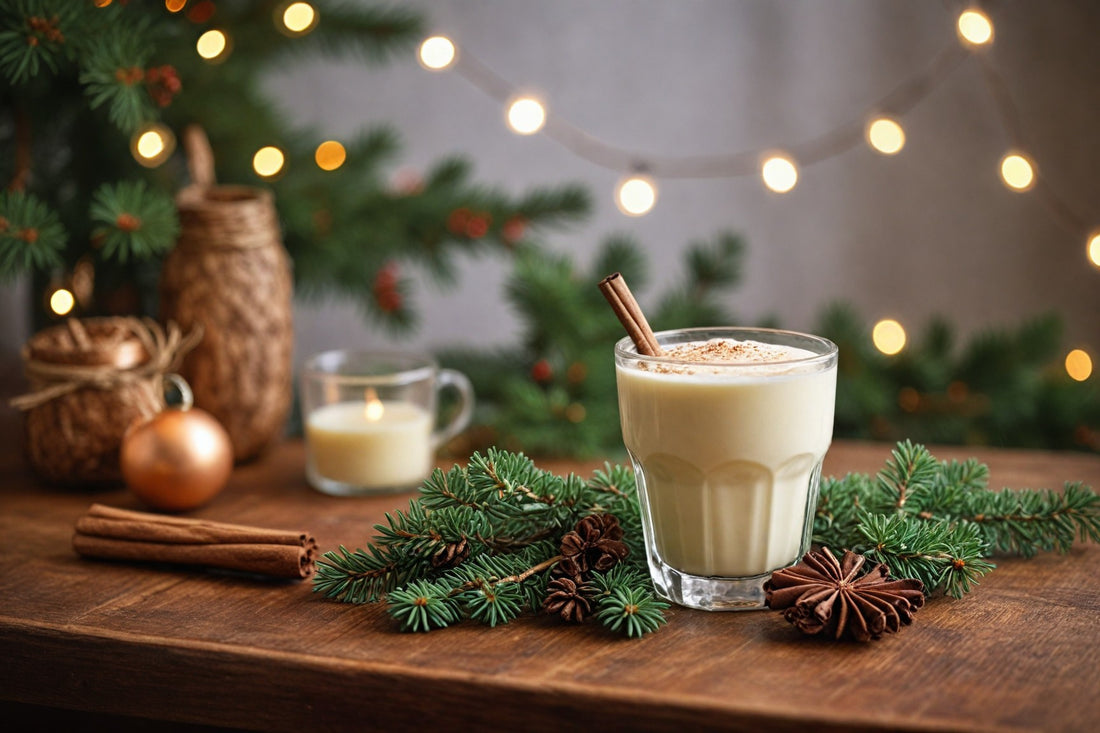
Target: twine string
(165, 347)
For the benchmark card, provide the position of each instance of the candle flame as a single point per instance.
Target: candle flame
(374, 408)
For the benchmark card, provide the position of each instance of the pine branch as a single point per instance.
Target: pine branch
(360, 576)
(35, 35)
(113, 75)
(510, 518)
(909, 475)
(31, 234)
(133, 221)
(945, 556)
(1026, 521)
(939, 521)
(625, 601)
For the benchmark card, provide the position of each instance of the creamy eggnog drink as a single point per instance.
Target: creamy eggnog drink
(726, 431)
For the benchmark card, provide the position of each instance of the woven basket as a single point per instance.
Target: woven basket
(230, 274)
(89, 381)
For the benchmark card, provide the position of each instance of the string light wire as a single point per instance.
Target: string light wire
(840, 139)
(904, 97)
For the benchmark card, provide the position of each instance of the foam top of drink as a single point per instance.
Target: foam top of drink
(722, 353)
(723, 350)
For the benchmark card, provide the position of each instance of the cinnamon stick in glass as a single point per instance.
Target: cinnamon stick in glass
(630, 314)
(120, 534)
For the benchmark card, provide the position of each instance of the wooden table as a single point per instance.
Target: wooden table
(1022, 652)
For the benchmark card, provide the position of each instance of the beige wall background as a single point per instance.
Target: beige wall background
(929, 231)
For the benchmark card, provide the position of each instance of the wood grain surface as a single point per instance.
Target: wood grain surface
(1021, 653)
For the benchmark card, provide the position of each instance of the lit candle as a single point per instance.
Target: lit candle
(370, 443)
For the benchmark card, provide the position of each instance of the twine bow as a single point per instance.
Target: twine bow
(165, 347)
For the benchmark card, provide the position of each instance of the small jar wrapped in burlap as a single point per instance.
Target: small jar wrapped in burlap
(230, 275)
(89, 380)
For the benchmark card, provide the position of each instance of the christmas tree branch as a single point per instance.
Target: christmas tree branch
(483, 542)
(939, 522)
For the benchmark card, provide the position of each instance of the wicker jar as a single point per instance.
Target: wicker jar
(89, 381)
(230, 275)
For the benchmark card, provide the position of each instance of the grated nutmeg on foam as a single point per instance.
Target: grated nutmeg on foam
(721, 351)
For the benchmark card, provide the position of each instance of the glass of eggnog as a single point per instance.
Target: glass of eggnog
(726, 430)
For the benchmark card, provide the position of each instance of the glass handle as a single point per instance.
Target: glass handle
(460, 383)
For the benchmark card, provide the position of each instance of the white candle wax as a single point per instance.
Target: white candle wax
(371, 445)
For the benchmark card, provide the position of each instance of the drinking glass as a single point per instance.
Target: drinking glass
(727, 457)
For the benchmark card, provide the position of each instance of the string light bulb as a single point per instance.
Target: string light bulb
(526, 115)
(1017, 172)
(174, 6)
(974, 27)
(330, 155)
(213, 46)
(437, 53)
(885, 135)
(888, 336)
(1078, 365)
(268, 161)
(779, 173)
(1094, 249)
(636, 195)
(62, 301)
(297, 18)
(152, 144)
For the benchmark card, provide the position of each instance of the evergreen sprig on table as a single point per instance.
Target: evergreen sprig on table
(939, 522)
(488, 541)
(502, 537)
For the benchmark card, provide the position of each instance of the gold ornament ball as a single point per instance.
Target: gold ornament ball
(177, 460)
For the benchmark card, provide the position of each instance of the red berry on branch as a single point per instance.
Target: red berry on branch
(542, 371)
(513, 229)
(478, 226)
(201, 12)
(127, 222)
(388, 302)
(456, 222)
(386, 295)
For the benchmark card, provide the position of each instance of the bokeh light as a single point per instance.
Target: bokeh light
(636, 195)
(975, 27)
(1017, 172)
(268, 161)
(213, 45)
(526, 115)
(885, 135)
(299, 18)
(1079, 365)
(62, 301)
(888, 336)
(779, 173)
(330, 155)
(1094, 249)
(436, 53)
(152, 145)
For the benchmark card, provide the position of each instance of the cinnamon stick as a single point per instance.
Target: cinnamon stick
(630, 314)
(120, 534)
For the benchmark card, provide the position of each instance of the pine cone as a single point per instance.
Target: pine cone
(451, 554)
(594, 544)
(566, 597)
(822, 595)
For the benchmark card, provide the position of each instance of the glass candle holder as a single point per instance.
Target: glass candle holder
(727, 445)
(371, 419)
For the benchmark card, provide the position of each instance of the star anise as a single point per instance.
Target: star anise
(451, 554)
(595, 543)
(567, 598)
(822, 595)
